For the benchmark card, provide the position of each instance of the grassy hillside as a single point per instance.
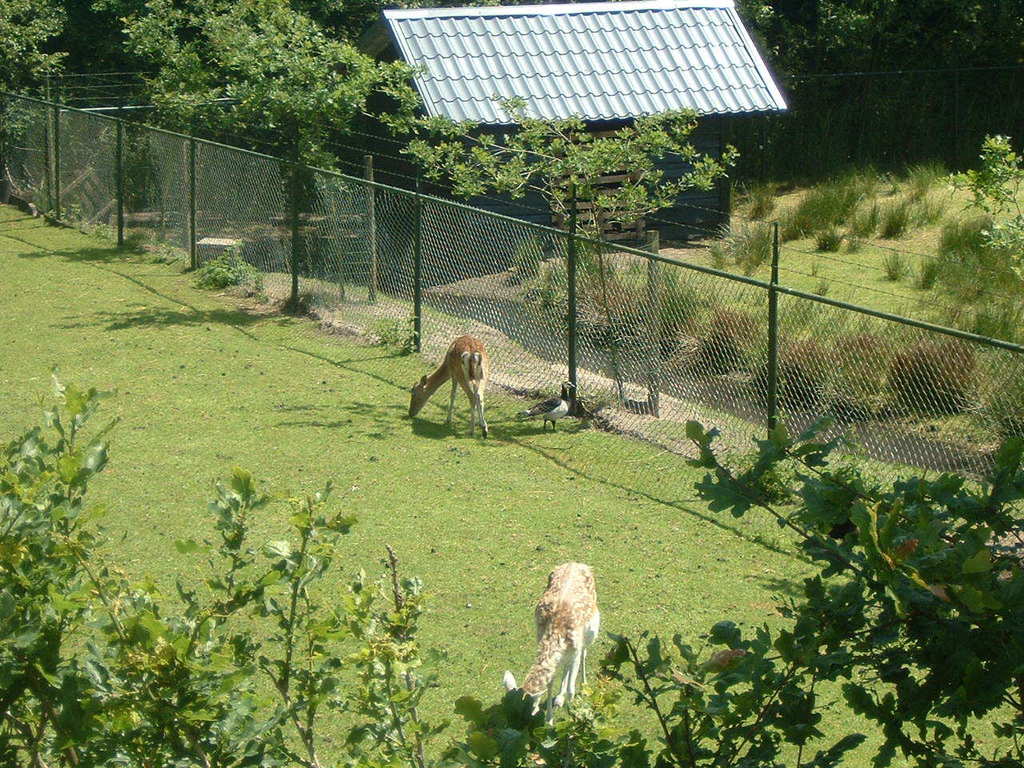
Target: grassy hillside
(901, 244)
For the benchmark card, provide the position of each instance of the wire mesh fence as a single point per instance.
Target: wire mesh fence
(648, 341)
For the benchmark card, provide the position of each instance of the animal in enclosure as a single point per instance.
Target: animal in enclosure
(567, 623)
(552, 409)
(467, 365)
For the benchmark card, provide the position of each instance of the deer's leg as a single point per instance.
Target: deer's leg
(451, 402)
(565, 669)
(549, 712)
(480, 407)
(574, 671)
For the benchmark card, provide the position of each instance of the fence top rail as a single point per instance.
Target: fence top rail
(711, 271)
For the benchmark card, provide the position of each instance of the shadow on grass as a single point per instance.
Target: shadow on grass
(382, 425)
(676, 504)
(777, 586)
(95, 255)
(161, 318)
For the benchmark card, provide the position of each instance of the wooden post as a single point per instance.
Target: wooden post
(571, 277)
(654, 307)
(371, 226)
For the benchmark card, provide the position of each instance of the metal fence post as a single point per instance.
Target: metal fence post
(773, 334)
(654, 307)
(571, 278)
(417, 269)
(193, 256)
(48, 160)
(371, 227)
(56, 161)
(119, 178)
(293, 216)
(4, 187)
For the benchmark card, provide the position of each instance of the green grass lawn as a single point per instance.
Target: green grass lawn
(202, 385)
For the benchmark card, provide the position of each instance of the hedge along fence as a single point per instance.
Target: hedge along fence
(649, 342)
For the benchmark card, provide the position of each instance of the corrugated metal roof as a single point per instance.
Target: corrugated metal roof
(598, 61)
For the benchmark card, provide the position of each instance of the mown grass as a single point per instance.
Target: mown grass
(202, 385)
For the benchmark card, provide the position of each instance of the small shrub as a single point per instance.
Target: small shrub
(828, 240)
(856, 386)
(526, 260)
(970, 265)
(962, 237)
(865, 220)
(927, 273)
(803, 372)
(1002, 403)
(762, 200)
(823, 287)
(815, 268)
(934, 376)
(828, 205)
(896, 266)
(999, 319)
(853, 243)
(927, 210)
(719, 253)
(921, 178)
(227, 270)
(398, 336)
(748, 245)
(725, 341)
(679, 303)
(895, 218)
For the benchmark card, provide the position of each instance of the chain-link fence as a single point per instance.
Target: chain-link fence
(650, 342)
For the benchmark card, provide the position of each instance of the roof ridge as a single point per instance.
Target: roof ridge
(554, 9)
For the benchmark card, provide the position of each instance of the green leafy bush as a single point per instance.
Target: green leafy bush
(904, 612)
(398, 336)
(242, 667)
(227, 270)
(996, 190)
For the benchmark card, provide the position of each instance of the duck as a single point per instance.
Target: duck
(551, 409)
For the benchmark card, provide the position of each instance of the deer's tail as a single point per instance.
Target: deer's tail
(472, 367)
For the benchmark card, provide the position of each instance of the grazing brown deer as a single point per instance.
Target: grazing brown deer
(567, 622)
(467, 365)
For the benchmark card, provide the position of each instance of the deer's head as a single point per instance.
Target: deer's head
(420, 394)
